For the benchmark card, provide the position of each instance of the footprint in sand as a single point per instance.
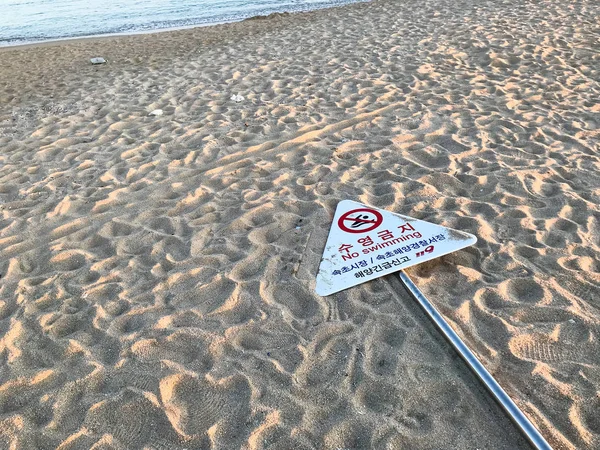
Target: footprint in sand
(544, 348)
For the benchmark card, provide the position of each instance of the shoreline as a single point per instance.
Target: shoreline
(52, 41)
(99, 37)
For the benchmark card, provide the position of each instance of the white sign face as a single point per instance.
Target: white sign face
(365, 243)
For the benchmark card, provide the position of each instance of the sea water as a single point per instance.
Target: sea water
(23, 21)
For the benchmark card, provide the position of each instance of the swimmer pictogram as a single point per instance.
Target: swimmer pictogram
(360, 220)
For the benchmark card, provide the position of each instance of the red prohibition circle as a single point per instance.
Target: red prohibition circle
(357, 221)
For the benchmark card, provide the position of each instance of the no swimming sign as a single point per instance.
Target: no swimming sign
(365, 243)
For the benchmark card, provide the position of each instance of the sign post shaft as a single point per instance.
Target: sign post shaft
(513, 411)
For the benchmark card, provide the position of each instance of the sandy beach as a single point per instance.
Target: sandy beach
(157, 273)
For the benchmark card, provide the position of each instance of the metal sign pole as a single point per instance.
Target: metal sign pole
(513, 411)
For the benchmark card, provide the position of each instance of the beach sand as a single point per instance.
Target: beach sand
(157, 272)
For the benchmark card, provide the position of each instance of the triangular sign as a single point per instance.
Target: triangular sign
(365, 243)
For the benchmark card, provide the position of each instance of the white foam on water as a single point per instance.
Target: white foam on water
(27, 21)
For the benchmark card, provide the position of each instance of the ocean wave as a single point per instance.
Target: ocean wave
(26, 22)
